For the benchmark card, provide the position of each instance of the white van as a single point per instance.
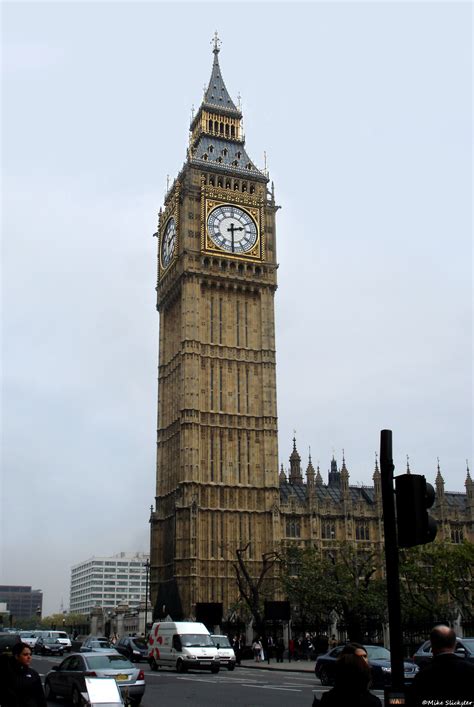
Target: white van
(182, 645)
(224, 651)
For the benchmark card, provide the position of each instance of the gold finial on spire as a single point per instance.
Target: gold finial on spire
(217, 42)
(192, 111)
(167, 183)
(239, 100)
(408, 464)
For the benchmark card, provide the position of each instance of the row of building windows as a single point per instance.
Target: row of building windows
(328, 529)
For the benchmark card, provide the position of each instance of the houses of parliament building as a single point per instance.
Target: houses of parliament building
(218, 484)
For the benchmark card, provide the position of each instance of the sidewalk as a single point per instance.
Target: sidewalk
(296, 666)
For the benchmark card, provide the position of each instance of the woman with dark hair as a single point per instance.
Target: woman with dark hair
(352, 678)
(22, 685)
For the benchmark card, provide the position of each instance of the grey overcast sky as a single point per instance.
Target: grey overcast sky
(364, 112)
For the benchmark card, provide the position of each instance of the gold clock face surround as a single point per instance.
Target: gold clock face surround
(168, 243)
(232, 228)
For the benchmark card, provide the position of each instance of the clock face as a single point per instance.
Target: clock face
(232, 229)
(168, 243)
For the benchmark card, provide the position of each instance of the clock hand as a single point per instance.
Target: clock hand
(232, 229)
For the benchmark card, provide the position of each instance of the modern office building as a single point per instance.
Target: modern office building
(22, 601)
(108, 581)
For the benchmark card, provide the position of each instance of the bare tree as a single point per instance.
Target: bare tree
(251, 588)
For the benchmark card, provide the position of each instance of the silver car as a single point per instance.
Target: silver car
(101, 645)
(68, 679)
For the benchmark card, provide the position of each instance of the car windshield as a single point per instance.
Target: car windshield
(377, 653)
(50, 641)
(469, 643)
(196, 640)
(109, 662)
(140, 642)
(223, 641)
(100, 644)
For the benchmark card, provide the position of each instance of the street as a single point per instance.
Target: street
(244, 687)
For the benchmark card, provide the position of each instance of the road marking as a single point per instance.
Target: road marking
(272, 687)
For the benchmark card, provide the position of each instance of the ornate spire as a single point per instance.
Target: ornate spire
(439, 478)
(319, 478)
(468, 475)
(310, 470)
(217, 94)
(282, 474)
(296, 476)
(408, 464)
(376, 470)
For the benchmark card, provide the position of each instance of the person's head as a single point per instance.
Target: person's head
(443, 639)
(355, 649)
(22, 653)
(352, 671)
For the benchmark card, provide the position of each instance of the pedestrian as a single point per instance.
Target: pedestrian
(332, 643)
(237, 646)
(270, 644)
(351, 681)
(257, 649)
(291, 650)
(447, 678)
(21, 685)
(280, 649)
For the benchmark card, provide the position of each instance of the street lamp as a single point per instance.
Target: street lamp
(147, 571)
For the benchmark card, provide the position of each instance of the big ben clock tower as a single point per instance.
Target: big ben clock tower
(217, 485)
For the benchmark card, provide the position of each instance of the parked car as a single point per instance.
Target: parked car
(48, 646)
(63, 638)
(134, 648)
(99, 645)
(379, 661)
(225, 651)
(68, 679)
(464, 648)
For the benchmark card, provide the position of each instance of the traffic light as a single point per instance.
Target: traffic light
(414, 496)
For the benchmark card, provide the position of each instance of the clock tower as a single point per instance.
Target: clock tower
(217, 484)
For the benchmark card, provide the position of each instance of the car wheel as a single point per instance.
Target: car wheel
(215, 668)
(153, 664)
(324, 677)
(231, 666)
(180, 666)
(49, 694)
(135, 701)
(76, 697)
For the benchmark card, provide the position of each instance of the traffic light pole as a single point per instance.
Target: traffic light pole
(395, 693)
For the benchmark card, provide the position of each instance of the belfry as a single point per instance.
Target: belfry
(217, 483)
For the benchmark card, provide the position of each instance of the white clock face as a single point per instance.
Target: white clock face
(232, 229)
(168, 243)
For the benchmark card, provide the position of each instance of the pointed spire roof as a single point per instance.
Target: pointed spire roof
(310, 469)
(216, 137)
(439, 478)
(282, 474)
(344, 470)
(376, 470)
(217, 95)
(408, 465)
(319, 478)
(294, 454)
(468, 475)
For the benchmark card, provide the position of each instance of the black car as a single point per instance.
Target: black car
(464, 649)
(379, 661)
(134, 648)
(48, 646)
(7, 641)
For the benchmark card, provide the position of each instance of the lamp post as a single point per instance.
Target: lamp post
(147, 572)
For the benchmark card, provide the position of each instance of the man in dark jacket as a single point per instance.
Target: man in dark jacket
(447, 676)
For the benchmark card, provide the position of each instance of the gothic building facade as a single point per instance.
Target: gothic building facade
(325, 514)
(218, 487)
